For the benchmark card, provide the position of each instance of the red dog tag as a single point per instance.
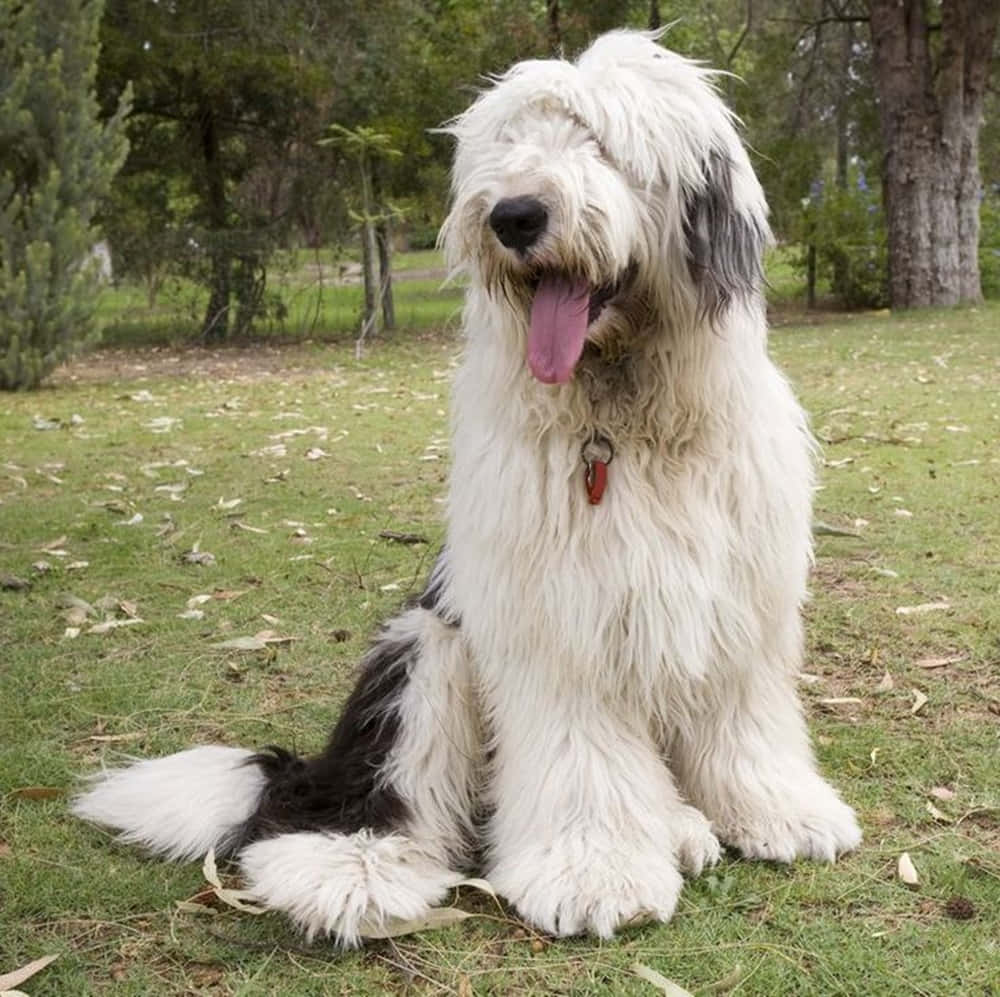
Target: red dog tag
(596, 480)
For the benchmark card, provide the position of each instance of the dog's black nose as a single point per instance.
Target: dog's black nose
(519, 221)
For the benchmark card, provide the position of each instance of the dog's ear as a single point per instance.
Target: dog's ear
(724, 244)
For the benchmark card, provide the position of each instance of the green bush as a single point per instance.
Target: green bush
(59, 160)
(847, 228)
(989, 244)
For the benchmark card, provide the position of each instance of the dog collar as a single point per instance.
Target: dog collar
(597, 453)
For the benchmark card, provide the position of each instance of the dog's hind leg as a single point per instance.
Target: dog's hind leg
(375, 827)
(371, 829)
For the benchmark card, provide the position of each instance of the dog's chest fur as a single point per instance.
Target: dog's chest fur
(633, 592)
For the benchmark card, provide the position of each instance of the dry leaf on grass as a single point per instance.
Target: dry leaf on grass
(436, 917)
(924, 607)
(953, 659)
(942, 793)
(659, 981)
(826, 530)
(257, 642)
(38, 792)
(108, 625)
(231, 898)
(907, 871)
(196, 556)
(886, 683)
(10, 980)
(942, 818)
(919, 702)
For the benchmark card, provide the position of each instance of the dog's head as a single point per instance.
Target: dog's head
(598, 197)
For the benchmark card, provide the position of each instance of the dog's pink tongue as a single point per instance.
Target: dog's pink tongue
(558, 328)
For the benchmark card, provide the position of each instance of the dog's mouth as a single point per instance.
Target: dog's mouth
(563, 308)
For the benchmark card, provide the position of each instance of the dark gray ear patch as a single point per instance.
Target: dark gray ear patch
(725, 246)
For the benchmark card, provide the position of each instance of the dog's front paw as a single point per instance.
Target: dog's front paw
(577, 884)
(814, 823)
(697, 848)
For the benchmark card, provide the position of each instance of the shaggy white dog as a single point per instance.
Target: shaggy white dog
(598, 684)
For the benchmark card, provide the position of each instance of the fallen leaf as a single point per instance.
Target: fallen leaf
(659, 981)
(246, 527)
(241, 644)
(942, 793)
(403, 538)
(727, 983)
(885, 572)
(232, 898)
(191, 614)
(270, 637)
(919, 702)
(924, 607)
(13, 584)
(907, 871)
(954, 659)
(108, 625)
(224, 505)
(10, 980)
(825, 530)
(68, 601)
(937, 814)
(134, 521)
(227, 595)
(436, 917)
(38, 793)
(886, 684)
(195, 556)
(840, 700)
(198, 600)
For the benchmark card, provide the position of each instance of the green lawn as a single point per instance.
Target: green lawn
(323, 453)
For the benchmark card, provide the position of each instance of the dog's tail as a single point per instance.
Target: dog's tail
(179, 806)
(369, 830)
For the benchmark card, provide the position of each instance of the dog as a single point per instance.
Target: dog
(596, 690)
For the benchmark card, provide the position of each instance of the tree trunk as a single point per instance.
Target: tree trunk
(555, 30)
(654, 15)
(216, 322)
(383, 239)
(841, 267)
(369, 252)
(930, 119)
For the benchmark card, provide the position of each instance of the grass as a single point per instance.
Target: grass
(909, 409)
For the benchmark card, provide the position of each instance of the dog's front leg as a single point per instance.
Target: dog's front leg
(589, 832)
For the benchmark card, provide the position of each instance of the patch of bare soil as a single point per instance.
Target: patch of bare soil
(230, 363)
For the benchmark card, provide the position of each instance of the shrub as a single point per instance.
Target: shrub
(847, 228)
(59, 160)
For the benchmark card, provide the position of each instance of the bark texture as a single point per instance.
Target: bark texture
(930, 79)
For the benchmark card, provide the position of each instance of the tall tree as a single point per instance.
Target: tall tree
(58, 162)
(931, 63)
(218, 86)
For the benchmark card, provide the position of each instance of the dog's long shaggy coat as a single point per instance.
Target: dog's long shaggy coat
(597, 687)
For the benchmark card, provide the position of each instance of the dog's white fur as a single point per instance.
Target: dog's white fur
(633, 662)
